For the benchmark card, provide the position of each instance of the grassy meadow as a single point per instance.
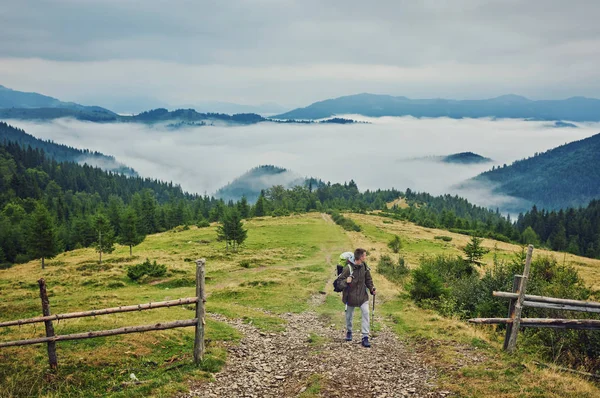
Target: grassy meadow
(285, 262)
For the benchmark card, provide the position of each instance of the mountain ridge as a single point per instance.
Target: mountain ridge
(575, 108)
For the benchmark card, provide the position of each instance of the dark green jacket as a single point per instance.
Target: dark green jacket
(356, 294)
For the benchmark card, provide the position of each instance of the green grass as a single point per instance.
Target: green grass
(287, 266)
(447, 343)
(313, 387)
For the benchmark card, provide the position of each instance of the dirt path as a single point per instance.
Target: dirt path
(310, 358)
(309, 353)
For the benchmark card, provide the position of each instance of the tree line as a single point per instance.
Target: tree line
(72, 201)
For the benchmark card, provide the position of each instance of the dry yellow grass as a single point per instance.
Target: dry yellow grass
(400, 202)
(469, 358)
(413, 235)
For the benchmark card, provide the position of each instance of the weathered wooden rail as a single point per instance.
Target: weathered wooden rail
(518, 300)
(51, 339)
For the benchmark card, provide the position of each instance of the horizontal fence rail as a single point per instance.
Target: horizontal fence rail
(103, 333)
(104, 311)
(587, 324)
(551, 300)
(518, 300)
(51, 338)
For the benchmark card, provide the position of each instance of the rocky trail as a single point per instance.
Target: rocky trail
(310, 353)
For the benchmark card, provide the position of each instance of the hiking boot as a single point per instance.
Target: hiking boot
(365, 342)
(348, 336)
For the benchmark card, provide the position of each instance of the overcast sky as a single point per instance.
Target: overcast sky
(297, 52)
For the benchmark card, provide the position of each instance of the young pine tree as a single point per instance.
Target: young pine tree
(238, 233)
(243, 207)
(395, 244)
(259, 207)
(43, 241)
(129, 234)
(231, 230)
(474, 251)
(105, 242)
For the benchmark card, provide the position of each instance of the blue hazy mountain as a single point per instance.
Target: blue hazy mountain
(506, 106)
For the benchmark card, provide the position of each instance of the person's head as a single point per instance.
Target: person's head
(359, 256)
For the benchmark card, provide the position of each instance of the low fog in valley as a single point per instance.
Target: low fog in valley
(386, 153)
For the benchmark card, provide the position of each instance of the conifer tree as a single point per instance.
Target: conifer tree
(42, 236)
(105, 242)
(129, 234)
(475, 251)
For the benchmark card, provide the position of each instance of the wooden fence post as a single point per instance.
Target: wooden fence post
(516, 318)
(511, 310)
(49, 327)
(200, 311)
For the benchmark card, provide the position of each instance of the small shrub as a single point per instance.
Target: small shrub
(203, 223)
(425, 285)
(395, 272)
(260, 283)
(115, 285)
(280, 212)
(153, 269)
(245, 264)
(444, 238)
(395, 244)
(22, 258)
(346, 223)
(178, 282)
(5, 265)
(93, 266)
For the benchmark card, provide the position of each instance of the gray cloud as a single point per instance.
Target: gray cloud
(204, 159)
(298, 51)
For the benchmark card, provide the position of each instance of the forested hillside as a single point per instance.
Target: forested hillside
(566, 176)
(62, 153)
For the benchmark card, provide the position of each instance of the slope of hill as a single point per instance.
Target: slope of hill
(253, 318)
(251, 183)
(506, 106)
(566, 176)
(63, 153)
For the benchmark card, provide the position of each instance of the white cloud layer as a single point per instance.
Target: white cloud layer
(375, 155)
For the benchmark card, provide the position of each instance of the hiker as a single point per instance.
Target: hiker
(355, 280)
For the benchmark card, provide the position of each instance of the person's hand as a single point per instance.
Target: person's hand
(349, 279)
(373, 292)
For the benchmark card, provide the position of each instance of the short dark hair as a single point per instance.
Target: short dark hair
(358, 253)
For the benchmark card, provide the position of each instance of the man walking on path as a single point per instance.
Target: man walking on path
(356, 279)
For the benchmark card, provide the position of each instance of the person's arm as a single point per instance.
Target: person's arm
(369, 281)
(343, 278)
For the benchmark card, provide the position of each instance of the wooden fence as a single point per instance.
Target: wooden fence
(51, 339)
(518, 300)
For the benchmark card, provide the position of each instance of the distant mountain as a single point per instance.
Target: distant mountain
(10, 98)
(190, 115)
(506, 106)
(465, 158)
(567, 176)
(63, 153)
(269, 108)
(251, 183)
(559, 124)
(91, 115)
